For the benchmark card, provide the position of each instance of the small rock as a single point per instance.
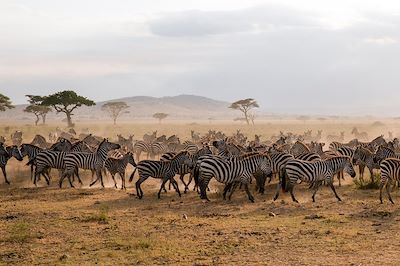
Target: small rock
(63, 257)
(272, 214)
(185, 216)
(97, 202)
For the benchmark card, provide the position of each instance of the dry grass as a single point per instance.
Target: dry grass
(107, 226)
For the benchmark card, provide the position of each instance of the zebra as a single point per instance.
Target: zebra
(115, 166)
(383, 152)
(315, 173)
(5, 155)
(347, 151)
(299, 148)
(158, 169)
(308, 156)
(141, 146)
(190, 147)
(390, 170)
(31, 151)
(185, 169)
(366, 157)
(46, 160)
(92, 161)
(230, 171)
(278, 162)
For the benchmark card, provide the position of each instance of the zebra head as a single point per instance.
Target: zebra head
(106, 146)
(265, 166)
(357, 155)
(13, 151)
(348, 168)
(131, 160)
(380, 154)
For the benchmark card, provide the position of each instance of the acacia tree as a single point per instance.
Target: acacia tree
(245, 106)
(5, 103)
(160, 116)
(40, 111)
(115, 109)
(65, 102)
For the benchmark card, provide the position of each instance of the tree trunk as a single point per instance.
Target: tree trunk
(44, 119)
(69, 119)
(247, 117)
(115, 120)
(37, 120)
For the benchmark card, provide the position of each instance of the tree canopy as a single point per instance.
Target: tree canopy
(65, 102)
(5, 103)
(160, 116)
(115, 109)
(37, 109)
(245, 106)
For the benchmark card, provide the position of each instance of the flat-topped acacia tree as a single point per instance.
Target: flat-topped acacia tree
(34, 107)
(66, 102)
(245, 106)
(160, 116)
(115, 109)
(5, 103)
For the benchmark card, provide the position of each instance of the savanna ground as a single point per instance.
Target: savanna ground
(107, 226)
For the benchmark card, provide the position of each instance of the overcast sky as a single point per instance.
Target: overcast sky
(305, 56)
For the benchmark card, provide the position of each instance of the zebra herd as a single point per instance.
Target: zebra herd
(233, 161)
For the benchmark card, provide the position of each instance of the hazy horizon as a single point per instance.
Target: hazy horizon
(306, 57)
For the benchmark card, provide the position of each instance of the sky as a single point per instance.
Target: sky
(303, 57)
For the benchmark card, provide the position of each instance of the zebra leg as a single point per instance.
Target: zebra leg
(278, 188)
(183, 181)
(315, 188)
(246, 187)
(77, 175)
(233, 188)
(139, 190)
(3, 168)
(371, 172)
(100, 175)
(226, 189)
(71, 181)
(113, 178)
(175, 184)
(292, 194)
(388, 192)
(162, 186)
(122, 175)
(203, 184)
(334, 191)
(383, 184)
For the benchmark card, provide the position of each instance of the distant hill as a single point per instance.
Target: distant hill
(143, 107)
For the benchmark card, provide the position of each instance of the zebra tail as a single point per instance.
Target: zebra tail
(196, 174)
(132, 175)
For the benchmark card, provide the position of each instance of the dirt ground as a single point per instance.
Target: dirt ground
(86, 226)
(107, 226)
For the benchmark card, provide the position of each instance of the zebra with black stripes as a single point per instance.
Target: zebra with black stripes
(314, 173)
(185, 169)
(31, 151)
(6, 154)
(47, 160)
(390, 172)
(299, 148)
(366, 157)
(164, 170)
(91, 161)
(384, 152)
(278, 162)
(141, 146)
(118, 166)
(231, 171)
